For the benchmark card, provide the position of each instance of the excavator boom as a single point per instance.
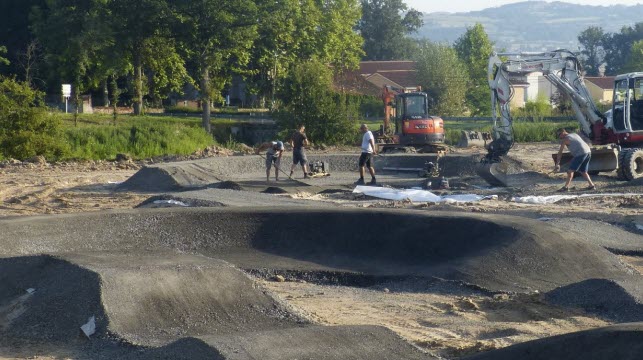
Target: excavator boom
(562, 69)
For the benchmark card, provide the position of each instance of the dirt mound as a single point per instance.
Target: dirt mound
(274, 190)
(190, 306)
(614, 300)
(150, 179)
(146, 299)
(163, 201)
(228, 185)
(621, 342)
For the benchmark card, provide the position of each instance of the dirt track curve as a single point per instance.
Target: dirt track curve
(174, 282)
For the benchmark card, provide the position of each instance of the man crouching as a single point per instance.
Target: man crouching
(273, 157)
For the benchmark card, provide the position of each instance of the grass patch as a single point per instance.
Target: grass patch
(96, 137)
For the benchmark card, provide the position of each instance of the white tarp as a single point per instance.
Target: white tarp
(172, 202)
(414, 195)
(542, 200)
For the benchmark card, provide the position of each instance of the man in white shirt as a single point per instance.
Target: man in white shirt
(368, 150)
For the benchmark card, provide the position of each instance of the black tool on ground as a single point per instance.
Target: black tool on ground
(318, 168)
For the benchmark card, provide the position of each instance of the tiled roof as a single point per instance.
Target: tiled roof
(404, 78)
(604, 82)
(371, 67)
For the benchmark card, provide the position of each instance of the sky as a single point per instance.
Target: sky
(473, 5)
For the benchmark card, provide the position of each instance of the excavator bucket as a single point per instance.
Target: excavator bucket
(473, 138)
(495, 174)
(604, 159)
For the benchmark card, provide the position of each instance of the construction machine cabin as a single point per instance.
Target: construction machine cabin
(407, 123)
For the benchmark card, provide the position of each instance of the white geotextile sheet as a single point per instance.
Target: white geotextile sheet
(173, 202)
(414, 195)
(542, 200)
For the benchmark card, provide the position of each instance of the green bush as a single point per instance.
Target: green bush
(26, 130)
(534, 110)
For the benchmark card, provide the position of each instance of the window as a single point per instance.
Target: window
(620, 95)
(415, 107)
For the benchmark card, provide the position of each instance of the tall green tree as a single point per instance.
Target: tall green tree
(74, 34)
(339, 45)
(592, 53)
(218, 35)
(284, 28)
(618, 46)
(386, 26)
(444, 77)
(474, 49)
(138, 25)
(635, 60)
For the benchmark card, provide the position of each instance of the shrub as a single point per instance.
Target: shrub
(26, 130)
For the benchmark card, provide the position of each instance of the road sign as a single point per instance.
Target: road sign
(66, 90)
(66, 94)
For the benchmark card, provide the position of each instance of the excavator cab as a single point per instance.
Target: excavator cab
(413, 124)
(627, 108)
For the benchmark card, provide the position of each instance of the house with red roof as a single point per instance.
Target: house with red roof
(601, 88)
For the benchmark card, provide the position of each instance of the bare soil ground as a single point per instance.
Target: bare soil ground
(444, 324)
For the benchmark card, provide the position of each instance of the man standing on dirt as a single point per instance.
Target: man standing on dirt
(365, 159)
(580, 163)
(298, 141)
(273, 157)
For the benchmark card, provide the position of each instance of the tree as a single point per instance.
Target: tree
(474, 49)
(138, 24)
(309, 98)
(635, 60)
(339, 45)
(618, 45)
(75, 34)
(593, 53)
(218, 35)
(15, 30)
(444, 77)
(385, 26)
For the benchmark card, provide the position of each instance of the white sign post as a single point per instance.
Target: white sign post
(66, 94)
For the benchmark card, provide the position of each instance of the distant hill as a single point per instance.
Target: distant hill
(532, 25)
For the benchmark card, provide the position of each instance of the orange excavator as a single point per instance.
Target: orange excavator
(407, 122)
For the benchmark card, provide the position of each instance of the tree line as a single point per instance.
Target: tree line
(142, 51)
(612, 53)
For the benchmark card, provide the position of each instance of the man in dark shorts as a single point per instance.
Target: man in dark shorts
(299, 141)
(368, 150)
(580, 163)
(273, 157)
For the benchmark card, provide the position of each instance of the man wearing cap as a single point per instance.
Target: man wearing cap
(368, 150)
(273, 157)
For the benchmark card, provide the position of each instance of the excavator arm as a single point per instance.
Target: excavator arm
(562, 69)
